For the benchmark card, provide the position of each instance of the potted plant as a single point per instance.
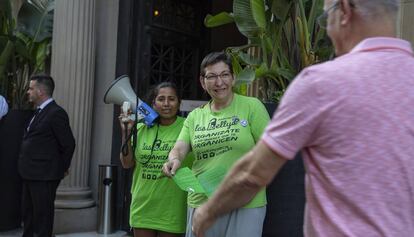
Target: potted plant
(25, 39)
(283, 38)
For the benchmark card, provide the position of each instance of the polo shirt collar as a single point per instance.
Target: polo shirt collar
(378, 43)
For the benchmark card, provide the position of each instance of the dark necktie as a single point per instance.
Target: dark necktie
(33, 117)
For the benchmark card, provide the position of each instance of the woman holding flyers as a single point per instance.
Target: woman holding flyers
(158, 206)
(219, 133)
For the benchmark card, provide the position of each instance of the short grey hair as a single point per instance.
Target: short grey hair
(376, 8)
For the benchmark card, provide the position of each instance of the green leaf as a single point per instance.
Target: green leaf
(40, 4)
(268, 44)
(249, 59)
(36, 21)
(316, 10)
(236, 49)
(3, 42)
(244, 19)
(282, 72)
(281, 8)
(42, 53)
(51, 5)
(246, 76)
(258, 12)
(22, 50)
(304, 22)
(26, 39)
(5, 56)
(5, 10)
(255, 41)
(261, 71)
(237, 68)
(217, 20)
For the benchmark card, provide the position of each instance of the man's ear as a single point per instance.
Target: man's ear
(346, 10)
(40, 91)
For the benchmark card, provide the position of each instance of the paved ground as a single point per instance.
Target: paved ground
(11, 233)
(18, 233)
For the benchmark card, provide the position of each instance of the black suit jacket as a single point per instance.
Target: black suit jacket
(47, 148)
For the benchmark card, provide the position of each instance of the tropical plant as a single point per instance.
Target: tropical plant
(283, 38)
(25, 42)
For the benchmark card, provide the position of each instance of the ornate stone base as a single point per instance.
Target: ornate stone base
(75, 211)
(71, 198)
(75, 220)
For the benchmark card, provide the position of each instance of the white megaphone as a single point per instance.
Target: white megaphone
(120, 91)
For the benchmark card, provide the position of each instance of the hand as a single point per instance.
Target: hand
(171, 166)
(202, 220)
(125, 121)
(66, 173)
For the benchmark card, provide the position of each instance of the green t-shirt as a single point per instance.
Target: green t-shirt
(157, 202)
(219, 139)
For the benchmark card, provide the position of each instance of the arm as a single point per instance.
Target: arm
(128, 160)
(64, 137)
(248, 176)
(175, 157)
(3, 107)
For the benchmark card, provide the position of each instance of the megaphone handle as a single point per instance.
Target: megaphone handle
(125, 148)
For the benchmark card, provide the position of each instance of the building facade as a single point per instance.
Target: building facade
(94, 42)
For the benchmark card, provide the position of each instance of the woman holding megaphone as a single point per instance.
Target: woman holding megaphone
(158, 207)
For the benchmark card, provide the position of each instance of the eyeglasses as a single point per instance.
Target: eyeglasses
(223, 76)
(323, 19)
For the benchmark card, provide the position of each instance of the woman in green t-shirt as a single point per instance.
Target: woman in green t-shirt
(158, 207)
(219, 133)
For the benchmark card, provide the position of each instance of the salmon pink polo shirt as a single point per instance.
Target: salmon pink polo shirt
(353, 120)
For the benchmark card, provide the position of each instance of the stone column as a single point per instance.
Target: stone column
(73, 67)
(406, 20)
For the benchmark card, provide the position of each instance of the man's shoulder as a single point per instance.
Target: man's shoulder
(56, 107)
(55, 111)
(318, 73)
(329, 72)
(320, 79)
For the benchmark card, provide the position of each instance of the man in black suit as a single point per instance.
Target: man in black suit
(45, 155)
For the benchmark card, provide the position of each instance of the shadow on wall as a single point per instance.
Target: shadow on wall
(285, 198)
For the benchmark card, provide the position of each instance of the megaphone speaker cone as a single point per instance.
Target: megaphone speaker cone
(119, 91)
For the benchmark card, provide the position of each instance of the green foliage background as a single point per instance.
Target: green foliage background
(25, 42)
(283, 38)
